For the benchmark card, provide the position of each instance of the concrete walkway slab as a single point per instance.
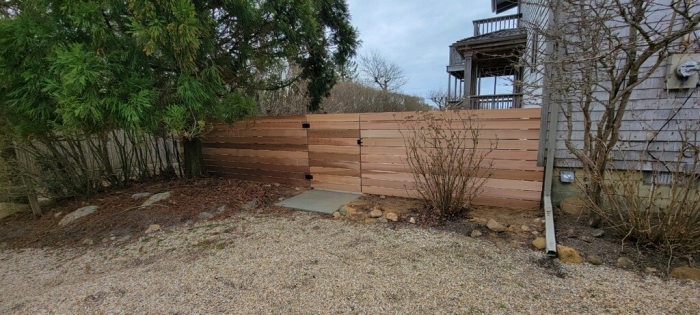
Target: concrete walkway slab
(317, 200)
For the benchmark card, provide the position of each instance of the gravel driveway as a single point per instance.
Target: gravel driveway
(303, 264)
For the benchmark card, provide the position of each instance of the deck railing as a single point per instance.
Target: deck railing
(498, 23)
(455, 58)
(498, 101)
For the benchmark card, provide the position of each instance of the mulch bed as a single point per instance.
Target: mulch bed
(120, 217)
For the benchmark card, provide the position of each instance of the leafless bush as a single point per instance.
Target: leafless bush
(449, 164)
(658, 207)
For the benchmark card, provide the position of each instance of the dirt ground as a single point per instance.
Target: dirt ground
(121, 220)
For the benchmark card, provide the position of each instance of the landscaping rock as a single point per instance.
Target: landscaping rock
(382, 197)
(88, 241)
(392, 216)
(650, 270)
(625, 263)
(156, 198)
(221, 209)
(495, 226)
(476, 233)
(152, 228)
(347, 210)
(205, 216)
(594, 260)
(58, 214)
(540, 243)
(568, 255)
(140, 195)
(586, 238)
(412, 220)
(77, 214)
(9, 208)
(375, 213)
(573, 206)
(336, 215)
(276, 184)
(45, 202)
(525, 228)
(250, 205)
(686, 273)
(598, 233)
(382, 220)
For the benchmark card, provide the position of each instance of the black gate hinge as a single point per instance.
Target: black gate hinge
(305, 125)
(308, 176)
(359, 142)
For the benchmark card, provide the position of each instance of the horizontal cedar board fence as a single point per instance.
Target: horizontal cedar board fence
(366, 153)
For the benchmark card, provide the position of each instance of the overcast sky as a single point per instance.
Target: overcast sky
(416, 34)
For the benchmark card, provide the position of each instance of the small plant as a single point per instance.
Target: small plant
(448, 159)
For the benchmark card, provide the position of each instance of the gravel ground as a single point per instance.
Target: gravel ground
(303, 264)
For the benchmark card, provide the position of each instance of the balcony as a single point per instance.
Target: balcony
(498, 101)
(495, 24)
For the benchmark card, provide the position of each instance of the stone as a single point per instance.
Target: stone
(57, 214)
(540, 243)
(276, 184)
(594, 260)
(495, 226)
(382, 220)
(156, 198)
(412, 220)
(152, 228)
(568, 255)
(382, 197)
(336, 215)
(88, 241)
(347, 210)
(392, 216)
(250, 205)
(525, 228)
(45, 202)
(686, 273)
(9, 208)
(650, 270)
(267, 186)
(77, 214)
(140, 195)
(598, 233)
(280, 199)
(221, 209)
(375, 213)
(535, 233)
(476, 233)
(573, 206)
(205, 216)
(297, 188)
(625, 263)
(586, 238)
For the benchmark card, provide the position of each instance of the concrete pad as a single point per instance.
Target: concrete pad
(317, 200)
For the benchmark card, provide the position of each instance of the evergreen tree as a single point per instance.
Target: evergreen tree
(161, 65)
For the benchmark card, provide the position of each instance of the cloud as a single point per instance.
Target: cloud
(416, 34)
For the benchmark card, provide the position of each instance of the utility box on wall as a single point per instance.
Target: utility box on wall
(681, 71)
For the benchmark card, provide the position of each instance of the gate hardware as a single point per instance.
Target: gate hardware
(306, 125)
(308, 176)
(359, 142)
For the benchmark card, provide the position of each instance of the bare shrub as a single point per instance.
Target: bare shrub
(657, 208)
(448, 163)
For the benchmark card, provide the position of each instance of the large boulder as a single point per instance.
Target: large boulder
(156, 198)
(686, 273)
(77, 214)
(574, 206)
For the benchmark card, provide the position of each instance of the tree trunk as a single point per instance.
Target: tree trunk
(194, 162)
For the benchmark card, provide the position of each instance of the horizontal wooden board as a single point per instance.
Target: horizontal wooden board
(346, 125)
(339, 157)
(335, 164)
(253, 172)
(316, 170)
(262, 125)
(495, 173)
(256, 153)
(213, 138)
(467, 143)
(262, 160)
(335, 149)
(334, 133)
(333, 117)
(484, 134)
(498, 163)
(252, 146)
(261, 133)
(513, 113)
(485, 125)
(257, 166)
(495, 154)
(335, 186)
(348, 180)
(334, 141)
